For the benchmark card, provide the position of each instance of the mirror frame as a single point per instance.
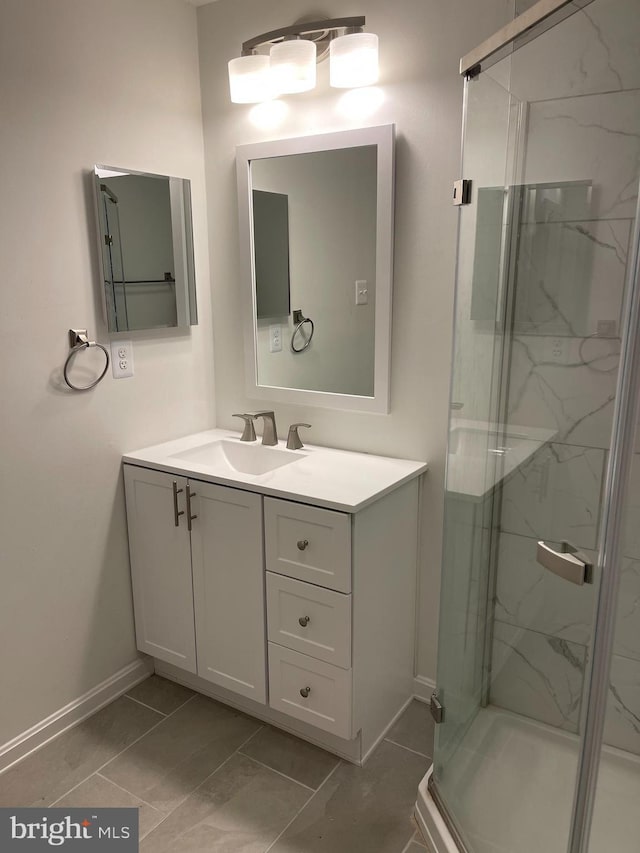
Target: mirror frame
(383, 137)
(183, 249)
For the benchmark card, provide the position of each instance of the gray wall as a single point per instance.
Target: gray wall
(70, 98)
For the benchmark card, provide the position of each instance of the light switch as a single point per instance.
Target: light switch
(362, 293)
(275, 338)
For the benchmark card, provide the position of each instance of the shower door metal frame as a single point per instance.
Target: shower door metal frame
(529, 25)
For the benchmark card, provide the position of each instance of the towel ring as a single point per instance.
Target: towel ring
(300, 320)
(79, 338)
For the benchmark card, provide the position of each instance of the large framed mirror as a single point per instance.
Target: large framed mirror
(316, 240)
(145, 242)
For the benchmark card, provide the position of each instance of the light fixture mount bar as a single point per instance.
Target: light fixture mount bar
(306, 28)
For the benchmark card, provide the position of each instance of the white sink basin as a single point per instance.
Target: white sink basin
(246, 458)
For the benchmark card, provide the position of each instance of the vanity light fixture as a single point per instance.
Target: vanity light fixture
(293, 66)
(249, 79)
(354, 60)
(290, 66)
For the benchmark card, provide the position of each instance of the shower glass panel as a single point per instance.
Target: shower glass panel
(552, 147)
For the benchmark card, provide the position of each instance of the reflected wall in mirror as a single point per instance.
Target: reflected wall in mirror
(146, 249)
(316, 219)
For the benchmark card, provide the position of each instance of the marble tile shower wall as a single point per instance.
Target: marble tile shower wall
(543, 624)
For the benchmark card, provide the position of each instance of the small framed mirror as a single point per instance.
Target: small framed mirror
(316, 239)
(145, 245)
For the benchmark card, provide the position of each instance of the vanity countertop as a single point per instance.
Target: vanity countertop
(334, 479)
(481, 455)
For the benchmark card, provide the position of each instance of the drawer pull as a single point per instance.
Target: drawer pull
(302, 544)
(304, 692)
(304, 621)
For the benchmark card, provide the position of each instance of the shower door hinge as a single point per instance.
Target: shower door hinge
(461, 192)
(108, 239)
(437, 709)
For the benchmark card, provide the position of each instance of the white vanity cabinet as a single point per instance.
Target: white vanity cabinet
(198, 594)
(290, 594)
(160, 553)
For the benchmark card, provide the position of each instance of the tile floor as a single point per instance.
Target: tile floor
(208, 778)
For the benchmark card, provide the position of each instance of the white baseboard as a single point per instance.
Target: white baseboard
(423, 688)
(73, 713)
(367, 755)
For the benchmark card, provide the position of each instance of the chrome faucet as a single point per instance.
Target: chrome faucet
(248, 433)
(269, 431)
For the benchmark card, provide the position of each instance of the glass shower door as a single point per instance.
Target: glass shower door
(552, 147)
(474, 415)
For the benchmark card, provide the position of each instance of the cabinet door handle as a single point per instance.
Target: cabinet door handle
(302, 544)
(304, 692)
(176, 514)
(304, 621)
(190, 517)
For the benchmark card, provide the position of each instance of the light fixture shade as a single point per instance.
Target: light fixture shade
(249, 79)
(354, 60)
(293, 66)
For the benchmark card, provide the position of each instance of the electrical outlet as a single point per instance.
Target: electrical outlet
(275, 338)
(557, 350)
(121, 359)
(362, 294)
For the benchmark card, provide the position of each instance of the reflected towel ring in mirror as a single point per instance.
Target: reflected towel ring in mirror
(78, 341)
(299, 319)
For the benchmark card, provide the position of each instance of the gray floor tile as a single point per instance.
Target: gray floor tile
(167, 765)
(418, 832)
(360, 808)
(51, 771)
(162, 695)
(97, 792)
(414, 729)
(241, 808)
(414, 847)
(287, 754)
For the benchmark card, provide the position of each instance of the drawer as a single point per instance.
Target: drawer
(308, 543)
(309, 619)
(310, 690)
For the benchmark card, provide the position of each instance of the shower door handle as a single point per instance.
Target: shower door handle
(568, 563)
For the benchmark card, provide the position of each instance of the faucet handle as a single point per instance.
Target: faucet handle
(249, 432)
(293, 439)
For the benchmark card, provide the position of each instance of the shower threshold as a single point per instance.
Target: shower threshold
(514, 780)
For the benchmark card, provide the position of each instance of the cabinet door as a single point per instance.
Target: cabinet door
(160, 566)
(228, 586)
